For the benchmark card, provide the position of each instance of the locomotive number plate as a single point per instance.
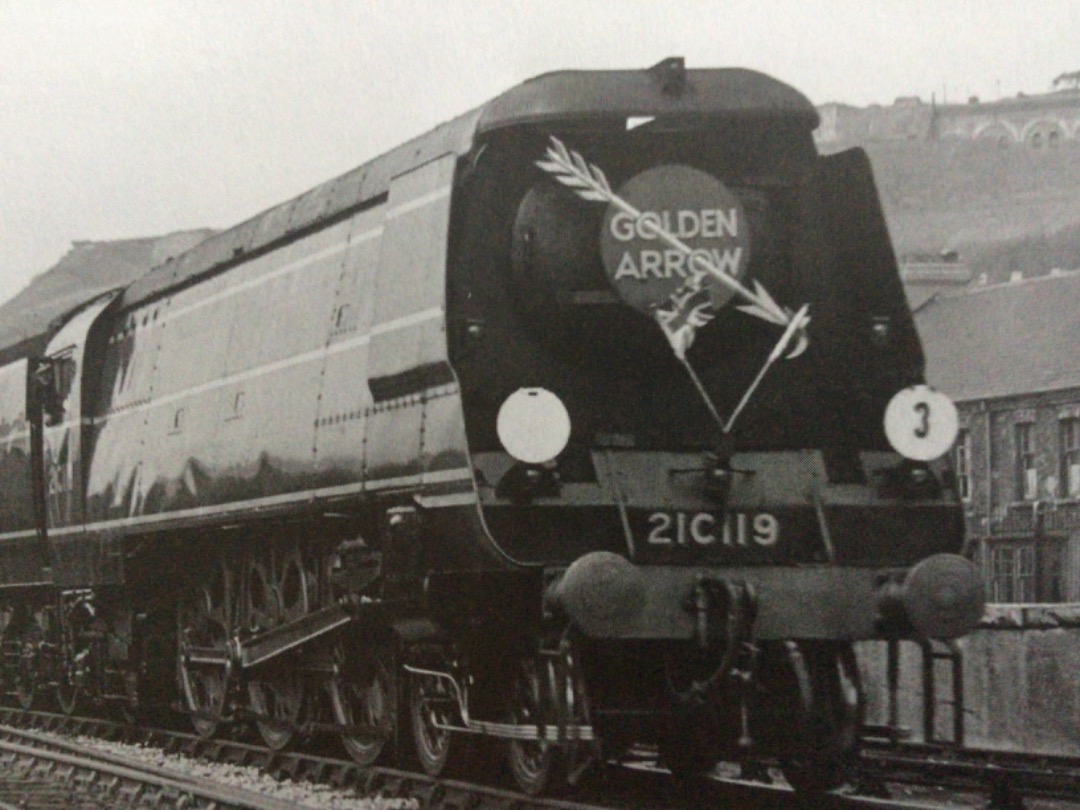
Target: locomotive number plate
(705, 529)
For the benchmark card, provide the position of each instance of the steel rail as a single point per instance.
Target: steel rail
(1008, 777)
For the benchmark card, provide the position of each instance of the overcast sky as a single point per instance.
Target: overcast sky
(129, 118)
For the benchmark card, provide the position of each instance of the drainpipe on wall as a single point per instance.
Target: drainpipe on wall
(985, 551)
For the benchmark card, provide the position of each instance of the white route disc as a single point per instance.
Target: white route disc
(921, 423)
(533, 425)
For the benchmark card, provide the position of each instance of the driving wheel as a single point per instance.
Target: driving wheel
(277, 593)
(362, 696)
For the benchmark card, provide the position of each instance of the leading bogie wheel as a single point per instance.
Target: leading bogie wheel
(537, 765)
(432, 711)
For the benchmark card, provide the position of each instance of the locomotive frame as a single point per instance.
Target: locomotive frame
(264, 481)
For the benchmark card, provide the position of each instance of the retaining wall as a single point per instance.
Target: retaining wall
(1021, 682)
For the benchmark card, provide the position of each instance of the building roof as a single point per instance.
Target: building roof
(928, 277)
(919, 295)
(1004, 340)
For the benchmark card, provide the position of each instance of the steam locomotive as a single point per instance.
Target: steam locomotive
(559, 430)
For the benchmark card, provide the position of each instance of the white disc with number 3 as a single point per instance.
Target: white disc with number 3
(921, 423)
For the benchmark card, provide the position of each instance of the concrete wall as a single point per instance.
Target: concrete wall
(1021, 682)
(1040, 121)
(897, 122)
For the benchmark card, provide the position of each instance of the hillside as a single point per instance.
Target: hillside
(88, 269)
(1003, 209)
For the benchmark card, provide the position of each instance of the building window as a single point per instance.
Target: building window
(1025, 571)
(1027, 480)
(1051, 584)
(1012, 573)
(963, 465)
(1070, 457)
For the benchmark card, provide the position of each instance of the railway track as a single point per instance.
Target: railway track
(614, 787)
(1008, 779)
(413, 790)
(39, 771)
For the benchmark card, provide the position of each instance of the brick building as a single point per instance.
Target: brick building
(1007, 354)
